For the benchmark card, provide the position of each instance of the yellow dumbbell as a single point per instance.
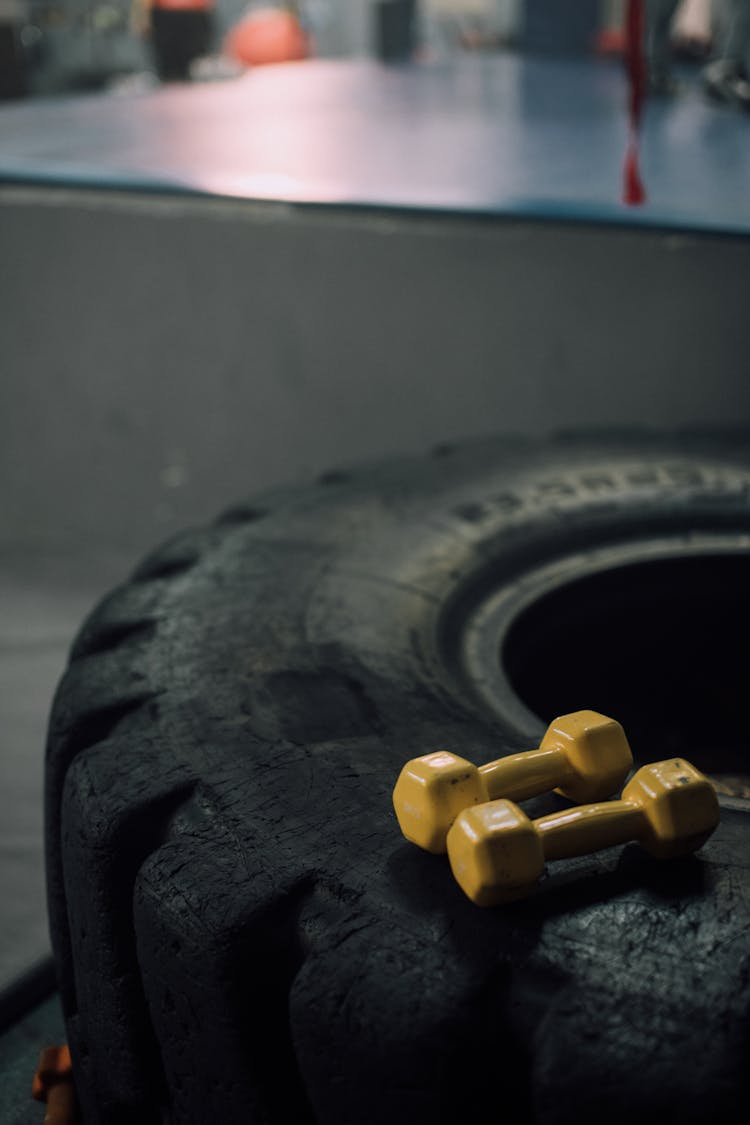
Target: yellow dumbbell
(497, 854)
(585, 756)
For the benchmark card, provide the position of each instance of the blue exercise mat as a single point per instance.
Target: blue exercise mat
(496, 134)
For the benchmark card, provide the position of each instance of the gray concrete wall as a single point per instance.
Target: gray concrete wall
(161, 356)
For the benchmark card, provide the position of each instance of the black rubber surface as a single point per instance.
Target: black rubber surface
(241, 933)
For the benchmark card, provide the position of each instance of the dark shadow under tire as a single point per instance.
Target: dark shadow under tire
(242, 935)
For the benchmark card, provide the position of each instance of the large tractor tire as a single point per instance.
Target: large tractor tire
(242, 935)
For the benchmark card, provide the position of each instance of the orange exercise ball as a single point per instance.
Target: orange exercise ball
(268, 35)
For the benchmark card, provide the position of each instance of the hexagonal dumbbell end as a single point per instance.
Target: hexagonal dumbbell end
(495, 852)
(680, 806)
(669, 807)
(596, 752)
(431, 792)
(585, 756)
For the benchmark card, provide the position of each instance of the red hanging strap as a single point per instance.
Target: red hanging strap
(635, 62)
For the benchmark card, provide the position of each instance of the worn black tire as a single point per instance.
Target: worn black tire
(242, 935)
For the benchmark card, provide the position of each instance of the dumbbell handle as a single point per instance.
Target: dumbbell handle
(588, 828)
(520, 776)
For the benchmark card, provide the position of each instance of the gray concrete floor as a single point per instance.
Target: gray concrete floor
(43, 598)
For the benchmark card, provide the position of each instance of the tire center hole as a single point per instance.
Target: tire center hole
(663, 646)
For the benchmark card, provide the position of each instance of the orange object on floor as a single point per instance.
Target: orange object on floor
(611, 41)
(53, 1084)
(184, 5)
(267, 36)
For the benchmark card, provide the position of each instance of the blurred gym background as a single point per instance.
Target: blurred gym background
(53, 46)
